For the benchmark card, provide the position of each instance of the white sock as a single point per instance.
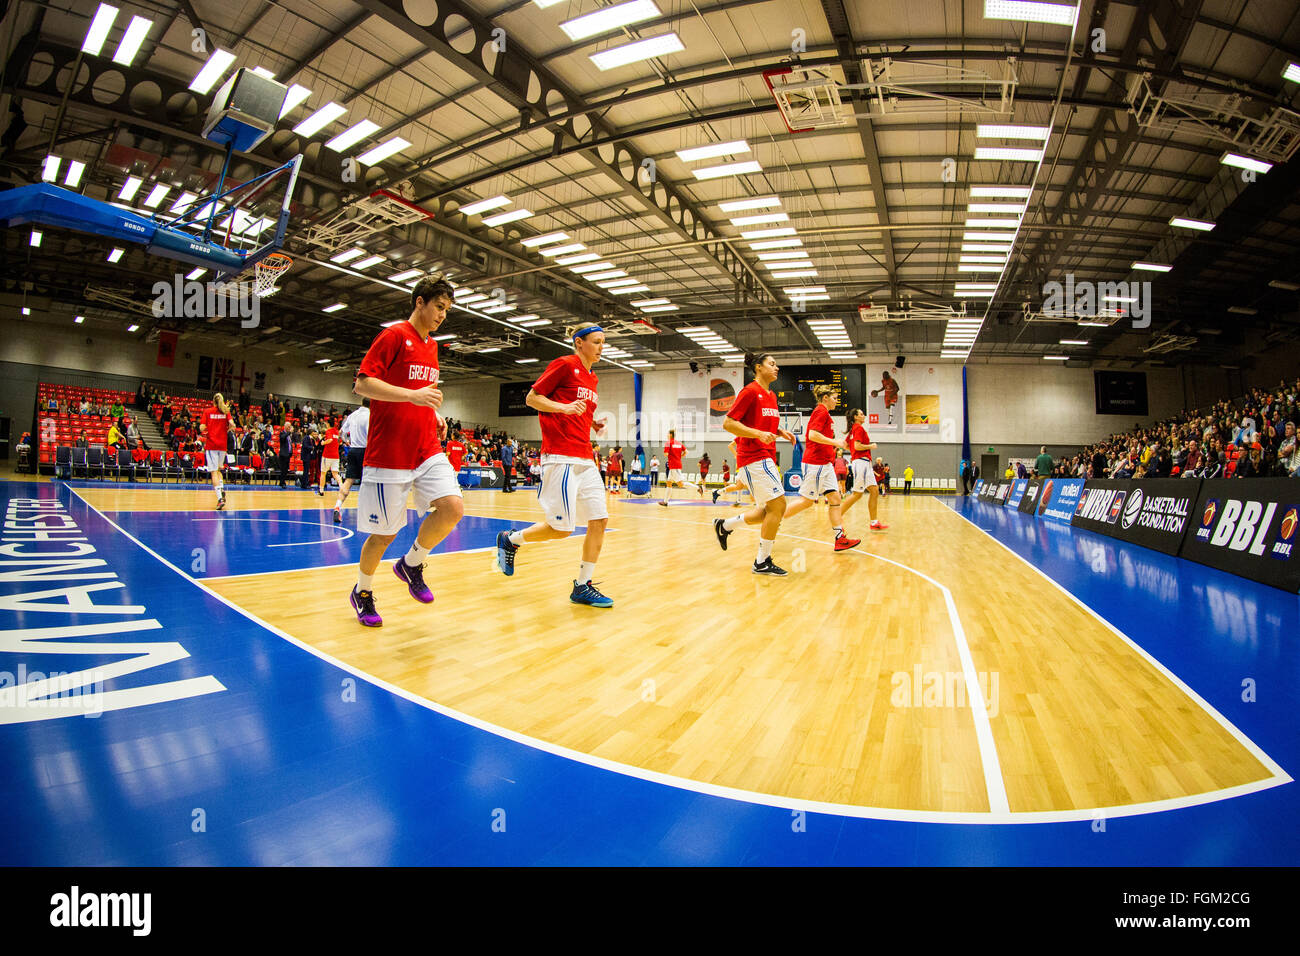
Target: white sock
(516, 538)
(839, 532)
(364, 581)
(587, 570)
(734, 522)
(415, 557)
(338, 504)
(764, 549)
(219, 489)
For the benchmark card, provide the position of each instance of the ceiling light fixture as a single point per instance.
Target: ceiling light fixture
(635, 52)
(97, 32)
(729, 169)
(212, 71)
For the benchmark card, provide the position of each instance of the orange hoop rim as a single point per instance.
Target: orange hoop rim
(275, 262)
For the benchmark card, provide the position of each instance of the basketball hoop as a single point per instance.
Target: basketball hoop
(267, 271)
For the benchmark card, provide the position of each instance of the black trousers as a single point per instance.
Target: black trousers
(506, 479)
(284, 469)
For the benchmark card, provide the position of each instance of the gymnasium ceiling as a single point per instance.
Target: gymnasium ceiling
(1142, 98)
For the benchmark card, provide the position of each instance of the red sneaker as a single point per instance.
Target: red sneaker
(844, 542)
(878, 526)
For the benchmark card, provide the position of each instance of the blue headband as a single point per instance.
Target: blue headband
(583, 333)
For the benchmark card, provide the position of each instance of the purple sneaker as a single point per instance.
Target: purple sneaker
(414, 578)
(363, 602)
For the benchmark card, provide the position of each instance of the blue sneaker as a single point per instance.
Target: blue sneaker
(587, 594)
(505, 560)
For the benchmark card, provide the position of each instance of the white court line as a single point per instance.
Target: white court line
(1280, 776)
(695, 786)
(347, 532)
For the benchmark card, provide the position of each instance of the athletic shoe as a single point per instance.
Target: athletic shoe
(338, 515)
(505, 561)
(715, 497)
(414, 578)
(664, 503)
(221, 503)
(320, 493)
(363, 602)
(767, 567)
(701, 491)
(588, 595)
(878, 526)
(844, 542)
(722, 533)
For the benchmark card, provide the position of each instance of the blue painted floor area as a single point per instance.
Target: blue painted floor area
(294, 761)
(244, 542)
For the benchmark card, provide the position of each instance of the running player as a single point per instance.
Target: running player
(889, 386)
(819, 466)
(729, 486)
(353, 431)
(673, 451)
(864, 476)
(756, 423)
(565, 397)
(215, 426)
(329, 459)
(403, 454)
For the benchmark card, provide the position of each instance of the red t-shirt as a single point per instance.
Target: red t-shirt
(566, 380)
(673, 451)
(816, 453)
(218, 424)
(401, 435)
(755, 406)
(330, 448)
(859, 435)
(455, 453)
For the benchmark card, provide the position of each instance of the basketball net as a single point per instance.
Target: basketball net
(267, 271)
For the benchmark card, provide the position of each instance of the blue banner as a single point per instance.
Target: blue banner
(1017, 492)
(1058, 498)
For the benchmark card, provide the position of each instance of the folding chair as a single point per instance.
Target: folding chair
(95, 461)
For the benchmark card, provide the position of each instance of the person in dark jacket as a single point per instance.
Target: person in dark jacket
(507, 463)
(286, 452)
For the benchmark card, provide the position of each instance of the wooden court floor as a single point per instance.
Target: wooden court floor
(930, 669)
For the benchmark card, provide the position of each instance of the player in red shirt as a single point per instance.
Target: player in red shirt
(728, 485)
(673, 451)
(864, 476)
(565, 395)
(215, 425)
(456, 450)
(819, 466)
(756, 423)
(403, 452)
(329, 459)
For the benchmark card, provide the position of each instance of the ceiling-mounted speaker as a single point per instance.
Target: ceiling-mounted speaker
(898, 362)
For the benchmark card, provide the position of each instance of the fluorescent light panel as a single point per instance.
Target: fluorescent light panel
(1151, 267)
(97, 32)
(535, 241)
(403, 276)
(758, 220)
(729, 169)
(1031, 11)
(51, 170)
(367, 262)
(352, 135)
(212, 71)
(574, 260)
(318, 120)
(513, 215)
(297, 93)
(590, 267)
(1245, 162)
(634, 52)
(381, 152)
(131, 40)
(740, 205)
(713, 151)
(999, 192)
(1008, 153)
(561, 250)
(1198, 224)
(610, 18)
(347, 255)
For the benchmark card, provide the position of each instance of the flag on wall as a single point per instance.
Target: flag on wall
(167, 349)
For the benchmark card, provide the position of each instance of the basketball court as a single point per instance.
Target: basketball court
(970, 686)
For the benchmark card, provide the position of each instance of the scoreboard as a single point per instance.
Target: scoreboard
(794, 386)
